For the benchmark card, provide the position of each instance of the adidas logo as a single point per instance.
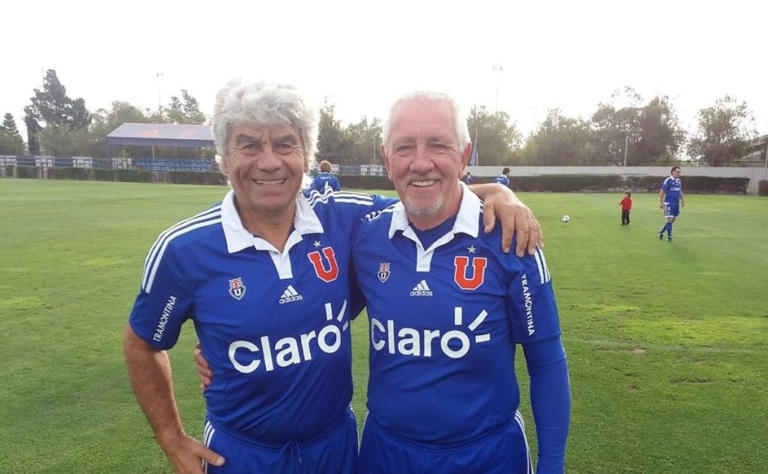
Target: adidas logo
(422, 289)
(290, 295)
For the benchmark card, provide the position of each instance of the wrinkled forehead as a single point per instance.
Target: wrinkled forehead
(422, 118)
(263, 133)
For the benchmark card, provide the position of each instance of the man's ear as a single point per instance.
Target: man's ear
(306, 165)
(465, 159)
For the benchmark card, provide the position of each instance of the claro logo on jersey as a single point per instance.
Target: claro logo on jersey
(327, 275)
(413, 342)
(247, 356)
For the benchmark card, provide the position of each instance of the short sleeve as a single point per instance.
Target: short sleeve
(163, 303)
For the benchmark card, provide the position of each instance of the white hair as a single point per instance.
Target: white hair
(459, 119)
(263, 104)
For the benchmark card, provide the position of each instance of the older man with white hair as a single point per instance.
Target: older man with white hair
(265, 276)
(447, 309)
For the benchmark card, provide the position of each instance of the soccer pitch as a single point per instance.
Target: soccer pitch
(666, 341)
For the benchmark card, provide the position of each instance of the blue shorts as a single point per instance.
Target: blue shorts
(671, 209)
(504, 450)
(332, 452)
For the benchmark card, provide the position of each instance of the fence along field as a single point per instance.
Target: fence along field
(666, 341)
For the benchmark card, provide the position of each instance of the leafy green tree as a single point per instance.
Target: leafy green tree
(52, 106)
(613, 129)
(11, 142)
(497, 139)
(184, 110)
(59, 113)
(33, 131)
(60, 140)
(660, 135)
(559, 141)
(645, 134)
(724, 131)
(365, 141)
(333, 144)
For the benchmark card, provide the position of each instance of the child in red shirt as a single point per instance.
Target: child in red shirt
(626, 205)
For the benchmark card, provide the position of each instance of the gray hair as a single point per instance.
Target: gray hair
(263, 104)
(460, 121)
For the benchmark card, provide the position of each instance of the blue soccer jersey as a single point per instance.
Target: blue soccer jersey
(274, 326)
(324, 180)
(672, 188)
(444, 322)
(501, 179)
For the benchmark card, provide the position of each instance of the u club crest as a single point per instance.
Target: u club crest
(237, 288)
(473, 280)
(383, 272)
(329, 272)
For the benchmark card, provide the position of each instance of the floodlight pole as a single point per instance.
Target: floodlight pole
(626, 144)
(159, 97)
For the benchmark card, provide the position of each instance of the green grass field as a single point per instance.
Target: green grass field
(666, 341)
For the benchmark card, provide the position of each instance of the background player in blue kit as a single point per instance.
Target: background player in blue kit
(446, 311)
(670, 200)
(325, 179)
(264, 276)
(503, 178)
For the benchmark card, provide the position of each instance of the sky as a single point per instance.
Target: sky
(521, 57)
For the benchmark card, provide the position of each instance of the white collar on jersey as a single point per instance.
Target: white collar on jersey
(466, 218)
(238, 238)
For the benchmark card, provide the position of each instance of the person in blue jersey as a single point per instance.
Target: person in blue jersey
(446, 311)
(467, 178)
(325, 179)
(503, 178)
(670, 200)
(264, 277)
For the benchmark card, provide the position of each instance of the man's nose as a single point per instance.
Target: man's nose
(269, 160)
(422, 159)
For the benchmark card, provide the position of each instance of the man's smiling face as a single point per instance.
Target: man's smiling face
(265, 165)
(424, 160)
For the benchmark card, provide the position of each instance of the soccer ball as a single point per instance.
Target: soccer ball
(565, 218)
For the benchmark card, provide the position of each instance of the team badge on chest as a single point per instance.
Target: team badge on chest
(237, 288)
(473, 281)
(383, 272)
(330, 273)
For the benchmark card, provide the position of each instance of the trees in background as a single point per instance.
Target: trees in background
(184, 110)
(627, 131)
(61, 126)
(11, 142)
(723, 133)
(643, 134)
(60, 122)
(496, 138)
(559, 140)
(356, 143)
